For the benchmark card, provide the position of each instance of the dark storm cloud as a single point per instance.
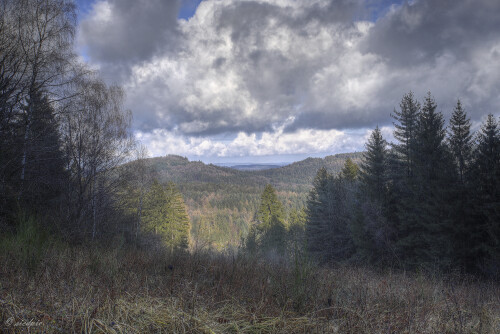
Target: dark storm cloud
(425, 29)
(120, 33)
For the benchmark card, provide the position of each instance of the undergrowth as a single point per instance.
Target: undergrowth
(120, 289)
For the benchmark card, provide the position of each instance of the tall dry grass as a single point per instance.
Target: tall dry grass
(123, 290)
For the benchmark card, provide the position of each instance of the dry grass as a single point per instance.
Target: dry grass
(76, 290)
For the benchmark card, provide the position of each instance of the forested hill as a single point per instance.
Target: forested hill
(180, 170)
(222, 201)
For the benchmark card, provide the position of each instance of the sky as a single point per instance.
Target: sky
(282, 80)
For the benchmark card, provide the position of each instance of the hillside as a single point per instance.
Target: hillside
(222, 201)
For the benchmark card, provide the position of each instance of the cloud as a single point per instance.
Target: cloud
(280, 72)
(119, 33)
(421, 31)
(275, 142)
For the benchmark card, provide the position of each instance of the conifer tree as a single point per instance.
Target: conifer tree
(165, 214)
(329, 211)
(318, 215)
(350, 170)
(460, 140)
(374, 166)
(485, 227)
(271, 221)
(270, 206)
(424, 228)
(460, 144)
(406, 122)
(369, 228)
(155, 208)
(179, 221)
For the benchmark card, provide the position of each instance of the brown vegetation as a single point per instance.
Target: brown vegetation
(120, 290)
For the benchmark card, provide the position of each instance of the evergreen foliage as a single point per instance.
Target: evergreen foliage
(431, 200)
(328, 213)
(460, 140)
(374, 166)
(165, 215)
(424, 229)
(350, 170)
(484, 228)
(270, 222)
(406, 123)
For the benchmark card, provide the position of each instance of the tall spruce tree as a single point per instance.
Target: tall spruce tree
(165, 215)
(460, 140)
(485, 228)
(406, 123)
(329, 212)
(374, 166)
(318, 216)
(350, 170)
(179, 221)
(460, 144)
(271, 221)
(369, 227)
(425, 230)
(403, 214)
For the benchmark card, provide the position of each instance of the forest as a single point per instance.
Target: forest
(97, 237)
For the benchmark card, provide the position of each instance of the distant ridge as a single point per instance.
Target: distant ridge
(251, 167)
(179, 170)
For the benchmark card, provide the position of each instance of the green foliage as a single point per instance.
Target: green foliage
(350, 170)
(270, 222)
(165, 215)
(222, 202)
(270, 209)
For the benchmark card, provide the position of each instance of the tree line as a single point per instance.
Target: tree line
(431, 199)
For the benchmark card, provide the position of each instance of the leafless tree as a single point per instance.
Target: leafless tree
(96, 139)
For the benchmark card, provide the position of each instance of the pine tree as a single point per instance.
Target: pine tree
(460, 144)
(271, 221)
(374, 166)
(460, 140)
(485, 231)
(270, 206)
(318, 216)
(329, 210)
(350, 170)
(179, 221)
(406, 122)
(251, 243)
(369, 228)
(401, 211)
(155, 208)
(424, 228)
(165, 215)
